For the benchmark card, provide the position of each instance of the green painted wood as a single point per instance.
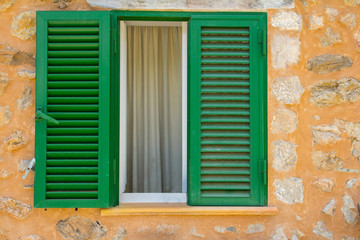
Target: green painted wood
(225, 157)
(73, 61)
(231, 179)
(73, 84)
(227, 31)
(225, 105)
(71, 154)
(73, 54)
(73, 108)
(73, 69)
(68, 22)
(225, 90)
(72, 162)
(70, 30)
(74, 130)
(223, 67)
(72, 147)
(227, 61)
(225, 46)
(72, 195)
(226, 54)
(74, 115)
(225, 133)
(73, 77)
(72, 139)
(227, 127)
(72, 170)
(235, 119)
(72, 178)
(72, 92)
(73, 38)
(73, 100)
(224, 163)
(72, 157)
(72, 46)
(225, 97)
(72, 186)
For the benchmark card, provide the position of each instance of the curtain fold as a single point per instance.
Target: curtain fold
(154, 150)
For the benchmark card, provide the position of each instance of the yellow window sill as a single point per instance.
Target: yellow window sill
(184, 210)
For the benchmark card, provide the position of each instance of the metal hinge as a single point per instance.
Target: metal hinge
(262, 39)
(263, 170)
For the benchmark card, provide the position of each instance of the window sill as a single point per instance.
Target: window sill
(184, 210)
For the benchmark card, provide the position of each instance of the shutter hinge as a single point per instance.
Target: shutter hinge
(262, 39)
(263, 170)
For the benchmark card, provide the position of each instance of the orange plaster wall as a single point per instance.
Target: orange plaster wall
(43, 222)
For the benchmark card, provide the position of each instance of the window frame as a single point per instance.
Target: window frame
(180, 197)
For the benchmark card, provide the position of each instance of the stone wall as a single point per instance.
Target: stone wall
(314, 129)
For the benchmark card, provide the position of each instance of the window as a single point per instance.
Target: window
(78, 61)
(153, 111)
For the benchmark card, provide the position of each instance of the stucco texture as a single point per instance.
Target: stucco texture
(331, 160)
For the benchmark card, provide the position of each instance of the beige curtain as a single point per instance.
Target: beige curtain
(154, 110)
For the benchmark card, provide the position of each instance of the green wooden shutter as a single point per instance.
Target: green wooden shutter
(73, 87)
(227, 110)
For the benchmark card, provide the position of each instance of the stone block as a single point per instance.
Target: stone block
(5, 115)
(27, 74)
(349, 210)
(287, 20)
(31, 237)
(330, 208)
(332, 92)
(285, 156)
(316, 22)
(26, 99)
(326, 161)
(290, 190)
(328, 63)
(194, 233)
(284, 121)
(121, 234)
(15, 208)
(81, 228)
(348, 20)
(168, 229)
(321, 230)
(330, 38)
(351, 182)
(15, 141)
(5, 4)
(279, 234)
(256, 228)
(288, 90)
(285, 51)
(331, 13)
(4, 81)
(325, 184)
(326, 134)
(24, 25)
